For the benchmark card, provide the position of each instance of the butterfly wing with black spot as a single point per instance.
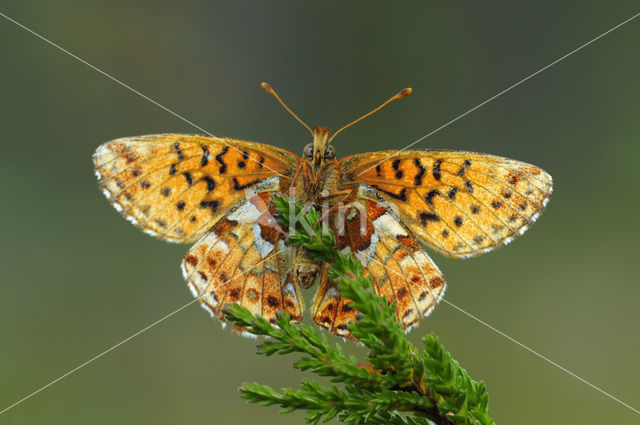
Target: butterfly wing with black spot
(175, 186)
(244, 260)
(399, 268)
(460, 203)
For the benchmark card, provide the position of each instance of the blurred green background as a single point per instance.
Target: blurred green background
(77, 278)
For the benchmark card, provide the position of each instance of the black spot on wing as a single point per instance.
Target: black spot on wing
(212, 205)
(401, 196)
(420, 175)
(238, 186)
(211, 184)
(468, 186)
(179, 153)
(465, 166)
(436, 171)
(427, 217)
(223, 165)
(429, 197)
(188, 177)
(205, 156)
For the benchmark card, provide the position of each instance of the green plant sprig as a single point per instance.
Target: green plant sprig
(398, 385)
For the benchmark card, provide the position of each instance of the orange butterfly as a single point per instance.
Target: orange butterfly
(385, 208)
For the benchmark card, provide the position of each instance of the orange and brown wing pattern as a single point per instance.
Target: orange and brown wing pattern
(330, 309)
(398, 266)
(175, 186)
(244, 260)
(460, 203)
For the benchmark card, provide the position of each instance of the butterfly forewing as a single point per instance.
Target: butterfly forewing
(175, 186)
(460, 203)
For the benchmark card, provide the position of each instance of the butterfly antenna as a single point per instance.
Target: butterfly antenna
(270, 90)
(400, 95)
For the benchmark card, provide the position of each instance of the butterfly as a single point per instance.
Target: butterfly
(386, 208)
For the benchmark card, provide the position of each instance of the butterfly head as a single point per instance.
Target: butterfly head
(320, 151)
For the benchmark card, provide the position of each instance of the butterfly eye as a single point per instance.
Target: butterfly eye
(308, 151)
(330, 152)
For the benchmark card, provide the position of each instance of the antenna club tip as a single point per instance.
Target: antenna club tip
(405, 92)
(266, 87)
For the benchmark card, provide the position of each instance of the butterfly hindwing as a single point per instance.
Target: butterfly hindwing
(175, 186)
(460, 203)
(330, 309)
(244, 260)
(399, 268)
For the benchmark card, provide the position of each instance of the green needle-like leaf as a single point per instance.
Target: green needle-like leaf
(394, 385)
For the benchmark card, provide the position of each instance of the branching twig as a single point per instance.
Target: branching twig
(397, 386)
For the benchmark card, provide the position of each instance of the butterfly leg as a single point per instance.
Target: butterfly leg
(292, 190)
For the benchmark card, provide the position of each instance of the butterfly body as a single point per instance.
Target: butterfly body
(315, 183)
(385, 208)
